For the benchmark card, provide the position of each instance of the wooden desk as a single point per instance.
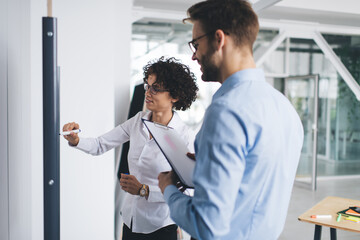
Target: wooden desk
(330, 206)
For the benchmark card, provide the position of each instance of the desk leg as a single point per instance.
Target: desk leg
(317, 234)
(333, 233)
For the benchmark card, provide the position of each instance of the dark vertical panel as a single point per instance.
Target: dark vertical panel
(51, 120)
(136, 105)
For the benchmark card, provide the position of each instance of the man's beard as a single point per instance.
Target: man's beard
(211, 73)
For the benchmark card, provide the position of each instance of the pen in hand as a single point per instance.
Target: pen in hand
(68, 132)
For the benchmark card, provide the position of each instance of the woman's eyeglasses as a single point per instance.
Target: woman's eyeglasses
(153, 90)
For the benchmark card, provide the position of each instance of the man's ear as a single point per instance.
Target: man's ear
(219, 39)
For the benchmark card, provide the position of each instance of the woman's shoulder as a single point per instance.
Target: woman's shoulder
(179, 125)
(176, 122)
(140, 115)
(186, 133)
(136, 119)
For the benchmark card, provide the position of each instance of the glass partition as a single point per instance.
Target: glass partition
(338, 148)
(346, 133)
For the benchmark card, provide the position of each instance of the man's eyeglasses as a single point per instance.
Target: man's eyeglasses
(193, 43)
(153, 90)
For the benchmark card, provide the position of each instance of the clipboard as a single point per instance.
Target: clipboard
(174, 149)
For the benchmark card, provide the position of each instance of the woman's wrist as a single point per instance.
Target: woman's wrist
(144, 191)
(74, 143)
(147, 192)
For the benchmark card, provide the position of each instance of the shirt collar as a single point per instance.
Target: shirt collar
(175, 121)
(251, 74)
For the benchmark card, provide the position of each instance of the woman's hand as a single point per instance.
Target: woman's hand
(72, 138)
(130, 184)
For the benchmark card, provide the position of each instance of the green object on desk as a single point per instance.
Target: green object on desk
(338, 218)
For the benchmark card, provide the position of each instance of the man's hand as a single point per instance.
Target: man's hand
(130, 184)
(73, 138)
(191, 156)
(166, 179)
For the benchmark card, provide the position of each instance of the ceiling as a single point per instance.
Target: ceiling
(331, 12)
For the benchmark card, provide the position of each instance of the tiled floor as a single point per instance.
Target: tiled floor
(303, 199)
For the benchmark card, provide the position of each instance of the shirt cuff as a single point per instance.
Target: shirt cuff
(155, 194)
(169, 190)
(83, 144)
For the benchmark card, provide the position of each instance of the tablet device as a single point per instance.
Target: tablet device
(174, 149)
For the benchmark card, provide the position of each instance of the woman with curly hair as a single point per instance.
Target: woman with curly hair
(169, 86)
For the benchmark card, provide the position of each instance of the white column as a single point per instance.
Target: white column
(37, 11)
(19, 120)
(24, 128)
(4, 203)
(122, 88)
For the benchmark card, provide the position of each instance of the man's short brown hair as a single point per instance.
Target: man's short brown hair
(235, 17)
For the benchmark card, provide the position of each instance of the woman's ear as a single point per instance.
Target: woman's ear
(174, 100)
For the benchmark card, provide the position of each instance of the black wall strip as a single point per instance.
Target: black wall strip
(51, 121)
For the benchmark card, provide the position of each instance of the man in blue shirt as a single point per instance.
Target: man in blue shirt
(249, 145)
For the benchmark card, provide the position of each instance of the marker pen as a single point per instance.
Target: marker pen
(321, 216)
(71, 131)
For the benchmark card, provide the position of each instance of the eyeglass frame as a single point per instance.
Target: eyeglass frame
(192, 42)
(153, 90)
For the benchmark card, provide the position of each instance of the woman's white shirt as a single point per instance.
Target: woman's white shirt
(145, 161)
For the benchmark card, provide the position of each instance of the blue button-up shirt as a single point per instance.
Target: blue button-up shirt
(247, 152)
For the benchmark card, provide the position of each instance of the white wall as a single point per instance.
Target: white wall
(37, 11)
(122, 84)
(93, 45)
(24, 119)
(4, 204)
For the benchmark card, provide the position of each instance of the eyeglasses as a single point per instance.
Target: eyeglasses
(193, 43)
(153, 90)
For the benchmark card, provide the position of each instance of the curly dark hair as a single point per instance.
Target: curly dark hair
(176, 77)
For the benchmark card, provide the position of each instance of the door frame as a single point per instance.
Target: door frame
(315, 77)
